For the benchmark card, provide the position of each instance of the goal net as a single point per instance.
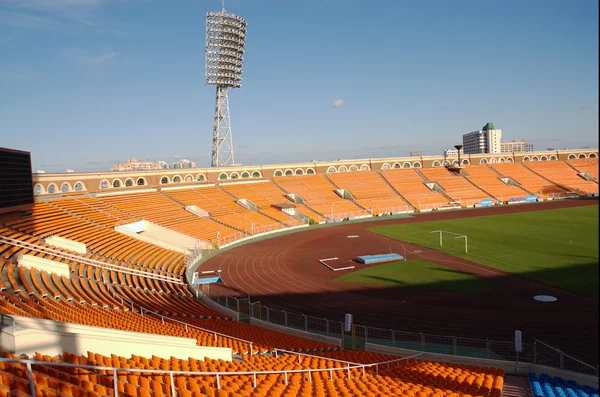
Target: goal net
(453, 241)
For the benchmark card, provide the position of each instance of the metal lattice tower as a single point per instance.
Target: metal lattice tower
(225, 41)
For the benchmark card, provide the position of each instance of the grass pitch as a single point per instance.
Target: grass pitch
(555, 247)
(418, 273)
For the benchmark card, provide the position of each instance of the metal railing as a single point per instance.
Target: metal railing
(386, 210)
(218, 375)
(144, 310)
(536, 352)
(544, 354)
(91, 262)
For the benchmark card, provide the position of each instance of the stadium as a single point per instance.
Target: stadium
(455, 275)
(250, 272)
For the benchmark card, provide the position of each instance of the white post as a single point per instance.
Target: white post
(466, 246)
(441, 244)
(172, 384)
(115, 383)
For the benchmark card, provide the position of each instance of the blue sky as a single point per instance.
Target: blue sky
(87, 83)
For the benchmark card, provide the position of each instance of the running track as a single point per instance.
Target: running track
(284, 273)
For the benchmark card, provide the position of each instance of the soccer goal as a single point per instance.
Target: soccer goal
(456, 236)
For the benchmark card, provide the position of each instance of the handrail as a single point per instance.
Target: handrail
(349, 362)
(564, 354)
(115, 371)
(314, 356)
(90, 262)
(143, 309)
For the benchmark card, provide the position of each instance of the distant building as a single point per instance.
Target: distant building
(416, 154)
(69, 170)
(529, 148)
(487, 140)
(513, 146)
(453, 152)
(134, 164)
(183, 163)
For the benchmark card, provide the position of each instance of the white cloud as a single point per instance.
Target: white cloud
(90, 57)
(53, 14)
(337, 103)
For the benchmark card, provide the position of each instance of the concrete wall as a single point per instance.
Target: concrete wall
(296, 332)
(509, 367)
(53, 337)
(161, 236)
(47, 265)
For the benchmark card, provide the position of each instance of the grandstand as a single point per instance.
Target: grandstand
(370, 191)
(119, 282)
(456, 186)
(412, 186)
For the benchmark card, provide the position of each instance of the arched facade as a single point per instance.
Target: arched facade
(342, 168)
(385, 166)
(331, 170)
(256, 174)
(141, 181)
(406, 165)
(128, 182)
(572, 156)
(553, 158)
(79, 186)
(245, 175)
(38, 189)
(592, 155)
(177, 179)
(353, 168)
(289, 172)
(104, 184)
(200, 178)
(52, 188)
(310, 171)
(299, 171)
(417, 164)
(65, 187)
(278, 173)
(234, 175)
(436, 164)
(364, 167)
(222, 176)
(117, 183)
(188, 178)
(582, 156)
(483, 161)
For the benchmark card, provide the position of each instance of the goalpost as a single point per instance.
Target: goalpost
(457, 235)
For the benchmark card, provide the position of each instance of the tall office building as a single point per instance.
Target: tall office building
(487, 140)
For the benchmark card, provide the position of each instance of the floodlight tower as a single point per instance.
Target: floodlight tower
(225, 41)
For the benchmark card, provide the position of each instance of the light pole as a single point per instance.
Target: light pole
(458, 148)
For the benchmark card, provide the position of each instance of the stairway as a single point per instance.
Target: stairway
(172, 199)
(515, 183)
(394, 189)
(477, 187)
(516, 386)
(353, 201)
(544, 178)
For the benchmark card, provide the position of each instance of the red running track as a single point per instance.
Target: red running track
(284, 273)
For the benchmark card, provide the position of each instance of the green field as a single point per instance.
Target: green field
(418, 273)
(555, 247)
